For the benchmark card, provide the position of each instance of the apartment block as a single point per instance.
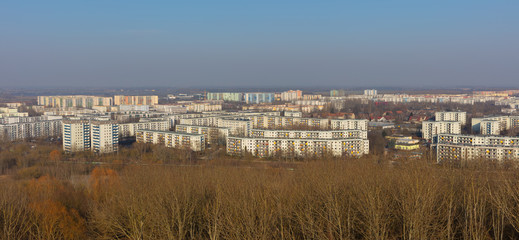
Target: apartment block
(370, 92)
(79, 101)
(128, 129)
(451, 116)
(135, 100)
(211, 134)
(357, 124)
(433, 128)
(293, 114)
(195, 142)
(272, 122)
(490, 127)
(291, 95)
(466, 147)
(303, 134)
(257, 98)
(264, 147)
(225, 96)
(481, 125)
(104, 137)
(85, 135)
(20, 128)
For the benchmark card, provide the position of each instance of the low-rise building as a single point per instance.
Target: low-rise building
(466, 147)
(195, 142)
(211, 134)
(264, 147)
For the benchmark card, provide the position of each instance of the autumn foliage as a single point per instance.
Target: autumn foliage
(337, 199)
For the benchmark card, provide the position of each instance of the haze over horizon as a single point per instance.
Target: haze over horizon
(259, 44)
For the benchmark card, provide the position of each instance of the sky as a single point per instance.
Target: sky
(267, 43)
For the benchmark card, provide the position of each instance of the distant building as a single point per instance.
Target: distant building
(78, 101)
(370, 92)
(490, 127)
(494, 125)
(195, 142)
(225, 96)
(291, 95)
(433, 128)
(135, 100)
(337, 93)
(293, 114)
(20, 128)
(211, 134)
(256, 98)
(451, 116)
(124, 108)
(290, 147)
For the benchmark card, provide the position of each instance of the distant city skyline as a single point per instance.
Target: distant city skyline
(266, 44)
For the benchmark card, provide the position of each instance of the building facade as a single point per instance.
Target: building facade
(135, 100)
(78, 101)
(466, 147)
(451, 116)
(96, 136)
(431, 129)
(195, 142)
(288, 147)
(257, 98)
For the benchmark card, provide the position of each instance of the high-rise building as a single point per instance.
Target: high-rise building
(370, 92)
(225, 96)
(96, 136)
(433, 128)
(490, 127)
(79, 101)
(291, 95)
(256, 98)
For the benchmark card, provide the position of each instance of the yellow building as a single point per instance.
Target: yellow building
(407, 146)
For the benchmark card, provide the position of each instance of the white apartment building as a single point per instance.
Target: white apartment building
(431, 129)
(104, 136)
(135, 100)
(195, 142)
(490, 127)
(19, 128)
(502, 122)
(370, 92)
(236, 126)
(76, 136)
(96, 136)
(293, 114)
(357, 124)
(451, 116)
(465, 147)
(128, 129)
(291, 95)
(272, 122)
(211, 134)
(264, 147)
(304, 134)
(80, 101)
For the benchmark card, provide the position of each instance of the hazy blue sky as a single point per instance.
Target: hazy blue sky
(259, 43)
